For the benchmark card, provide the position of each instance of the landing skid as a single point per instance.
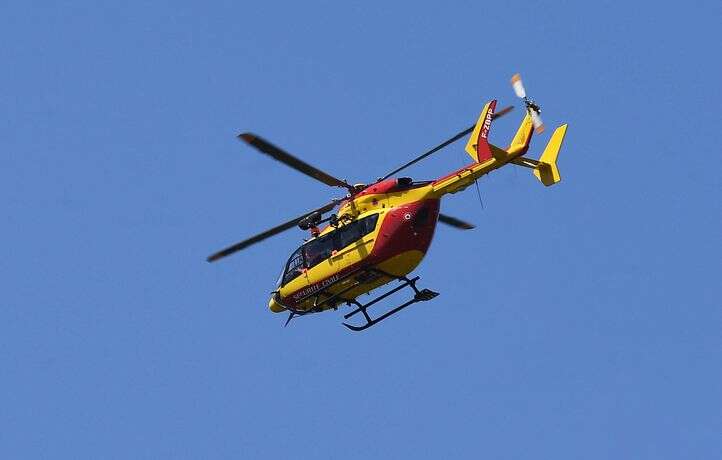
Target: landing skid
(324, 298)
(419, 296)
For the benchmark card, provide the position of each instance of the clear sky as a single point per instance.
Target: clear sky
(579, 321)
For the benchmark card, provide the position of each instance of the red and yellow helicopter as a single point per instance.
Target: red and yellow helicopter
(382, 231)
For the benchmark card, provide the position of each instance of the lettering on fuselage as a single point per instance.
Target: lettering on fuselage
(315, 287)
(487, 123)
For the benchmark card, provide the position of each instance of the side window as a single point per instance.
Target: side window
(319, 249)
(370, 224)
(348, 234)
(356, 230)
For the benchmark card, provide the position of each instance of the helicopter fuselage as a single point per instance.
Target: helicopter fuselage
(404, 216)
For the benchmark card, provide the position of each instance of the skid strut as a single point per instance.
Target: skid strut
(419, 296)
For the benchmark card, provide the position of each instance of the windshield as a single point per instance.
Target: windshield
(294, 266)
(321, 248)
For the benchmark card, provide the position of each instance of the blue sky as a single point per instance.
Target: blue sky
(579, 321)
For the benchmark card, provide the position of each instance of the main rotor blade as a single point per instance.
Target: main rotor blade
(284, 157)
(267, 234)
(502, 112)
(454, 222)
(449, 141)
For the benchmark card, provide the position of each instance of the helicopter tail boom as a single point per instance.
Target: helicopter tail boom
(489, 157)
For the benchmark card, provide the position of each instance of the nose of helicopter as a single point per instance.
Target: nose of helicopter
(274, 306)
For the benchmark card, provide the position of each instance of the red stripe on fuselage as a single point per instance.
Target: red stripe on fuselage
(404, 228)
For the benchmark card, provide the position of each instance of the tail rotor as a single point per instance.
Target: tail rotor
(531, 107)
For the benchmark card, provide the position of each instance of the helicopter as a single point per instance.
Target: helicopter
(382, 231)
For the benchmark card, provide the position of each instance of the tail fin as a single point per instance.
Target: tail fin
(520, 143)
(546, 170)
(478, 145)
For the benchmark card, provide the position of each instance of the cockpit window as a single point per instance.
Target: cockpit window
(320, 248)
